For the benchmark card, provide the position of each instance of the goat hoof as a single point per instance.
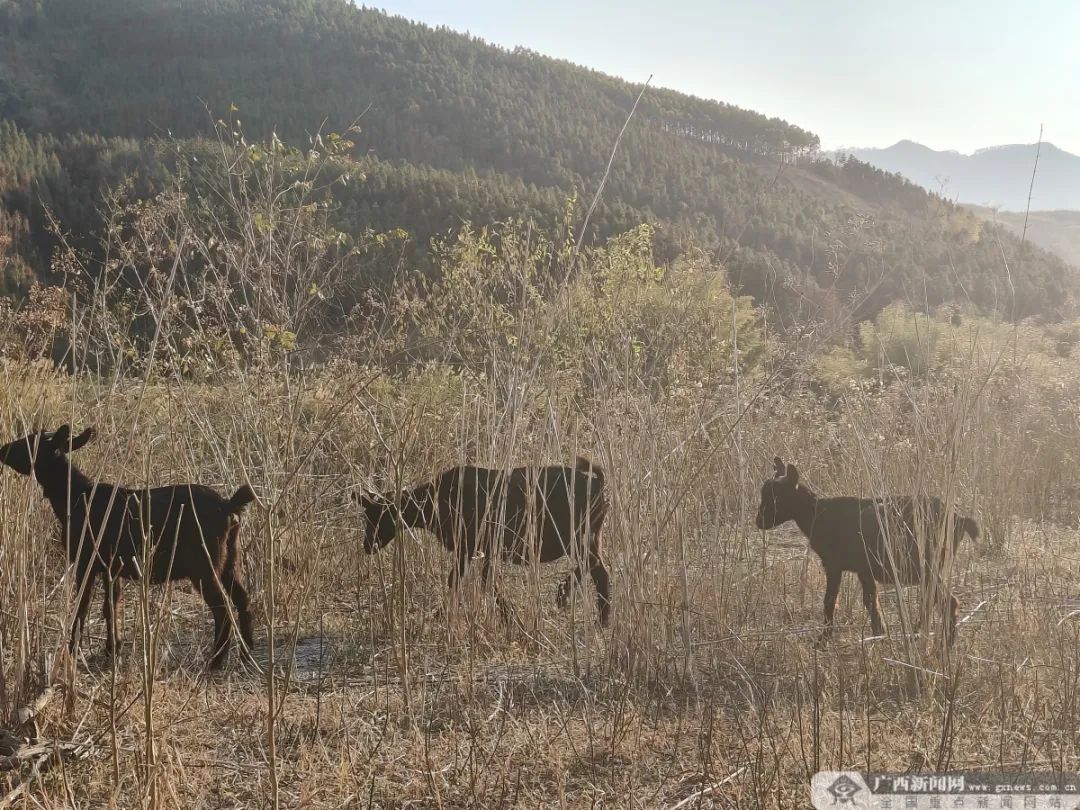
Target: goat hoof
(217, 663)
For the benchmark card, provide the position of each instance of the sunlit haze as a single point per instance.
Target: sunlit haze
(958, 75)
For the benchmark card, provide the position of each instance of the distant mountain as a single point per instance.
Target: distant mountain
(1056, 231)
(999, 176)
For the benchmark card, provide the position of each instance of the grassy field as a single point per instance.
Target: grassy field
(707, 689)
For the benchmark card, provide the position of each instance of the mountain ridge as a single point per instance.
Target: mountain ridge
(458, 130)
(994, 176)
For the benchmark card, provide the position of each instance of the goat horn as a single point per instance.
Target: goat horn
(365, 490)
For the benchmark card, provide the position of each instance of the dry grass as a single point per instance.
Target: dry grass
(387, 693)
(371, 687)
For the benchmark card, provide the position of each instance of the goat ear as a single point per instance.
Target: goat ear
(779, 467)
(367, 499)
(83, 438)
(792, 475)
(61, 437)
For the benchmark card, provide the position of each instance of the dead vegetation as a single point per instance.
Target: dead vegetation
(371, 686)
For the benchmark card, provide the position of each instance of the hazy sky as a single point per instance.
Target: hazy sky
(953, 75)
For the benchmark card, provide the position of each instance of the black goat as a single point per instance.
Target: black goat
(190, 529)
(876, 538)
(529, 513)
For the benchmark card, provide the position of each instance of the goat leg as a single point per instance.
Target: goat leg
(215, 599)
(113, 609)
(571, 580)
(602, 581)
(489, 584)
(833, 577)
(85, 579)
(457, 572)
(870, 601)
(949, 607)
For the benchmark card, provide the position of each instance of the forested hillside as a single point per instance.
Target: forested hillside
(1056, 231)
(454, 130)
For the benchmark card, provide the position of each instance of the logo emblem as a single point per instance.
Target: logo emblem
(843, 789)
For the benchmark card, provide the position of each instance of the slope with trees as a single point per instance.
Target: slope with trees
(453, 129)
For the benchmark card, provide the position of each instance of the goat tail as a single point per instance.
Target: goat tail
(240, 499)
(966, 525)
(598, 503)
(584, 465)
(232, 549)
